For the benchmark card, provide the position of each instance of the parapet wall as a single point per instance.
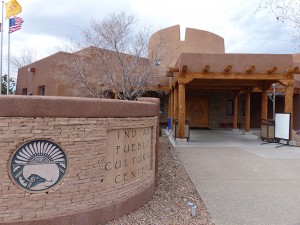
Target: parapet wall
(167, 45)
(101, 168)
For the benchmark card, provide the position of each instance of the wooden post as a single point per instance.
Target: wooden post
(176, 103)
(235, 111)
(169, 104)
(247, 125)
(264, 104)
(181, 111)
(288, 105)
(172, 107)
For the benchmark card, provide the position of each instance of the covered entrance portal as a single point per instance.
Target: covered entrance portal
(197, 77)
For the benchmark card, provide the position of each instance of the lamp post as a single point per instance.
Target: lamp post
(274, 96)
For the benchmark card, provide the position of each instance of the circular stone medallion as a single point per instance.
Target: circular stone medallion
(38, 165)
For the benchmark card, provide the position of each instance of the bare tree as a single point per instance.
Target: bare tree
(115, 61)
(284, 10)
(81, 74)
(287, 11)
(24, 57)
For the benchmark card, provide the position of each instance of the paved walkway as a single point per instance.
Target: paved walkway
(241, 181)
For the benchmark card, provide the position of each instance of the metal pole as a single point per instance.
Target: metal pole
(8, 56)
(1, 52)
(274, 95)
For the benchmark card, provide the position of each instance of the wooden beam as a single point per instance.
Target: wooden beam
(235, 111)
(172, 107)
(293, 69)
(271, 69)
(206, 68)
(175, 103)
(184, 70)
(181, 111)
(213, 82)
(173, 69)
(169, 105)
(288, 105)
(227, 68)
(264, 104)
(250, 69)
(247, 125)
(116, 95)
(236, 76)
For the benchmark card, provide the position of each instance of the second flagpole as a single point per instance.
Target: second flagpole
(1, 51)
(8, 59)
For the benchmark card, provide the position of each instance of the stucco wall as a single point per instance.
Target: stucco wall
(166, 45)
(44, 75)
(111, 160)
(217, 110)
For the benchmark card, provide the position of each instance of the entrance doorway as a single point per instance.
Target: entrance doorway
(197, 111)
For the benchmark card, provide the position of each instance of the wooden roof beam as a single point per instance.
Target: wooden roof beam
(271, 69)
(294, 69)
(250, 69)
(227, 68)
(206, 68)
(172, 70)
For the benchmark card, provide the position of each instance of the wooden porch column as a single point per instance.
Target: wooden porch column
(169, 105)
(288, 105)
(116, 95)
(181, 111)
(175, 103)
(235, 111)
(172, 107)
(247, 125)
(264, 104)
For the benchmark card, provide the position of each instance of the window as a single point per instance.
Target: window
(229, 107)
(24, 91)
(41, 90)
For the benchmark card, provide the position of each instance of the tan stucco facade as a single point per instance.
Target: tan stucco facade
(209, 72)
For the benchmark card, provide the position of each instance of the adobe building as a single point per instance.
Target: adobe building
(206, 86)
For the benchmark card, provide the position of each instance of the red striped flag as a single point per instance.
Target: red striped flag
(15, 24)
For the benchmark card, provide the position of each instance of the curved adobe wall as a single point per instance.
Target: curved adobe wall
(168, 42)
(108, 169)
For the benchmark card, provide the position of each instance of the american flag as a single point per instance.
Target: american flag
(15, 24)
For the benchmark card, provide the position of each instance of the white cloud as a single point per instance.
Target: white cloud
(47, 23)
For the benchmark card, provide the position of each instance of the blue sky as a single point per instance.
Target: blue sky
(245, 29)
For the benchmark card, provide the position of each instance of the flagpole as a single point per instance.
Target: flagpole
(8, 63)
(1, 51)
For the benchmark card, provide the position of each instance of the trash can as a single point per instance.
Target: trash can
(267, 131)
(186, 130)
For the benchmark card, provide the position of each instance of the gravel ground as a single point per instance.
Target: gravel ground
(169, 205)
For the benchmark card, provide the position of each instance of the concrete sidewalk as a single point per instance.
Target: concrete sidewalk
(241, 181)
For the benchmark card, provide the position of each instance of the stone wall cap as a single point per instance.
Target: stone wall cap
(73, 107)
